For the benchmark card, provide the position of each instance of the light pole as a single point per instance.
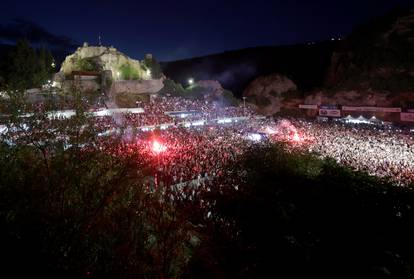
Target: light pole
(244, 106)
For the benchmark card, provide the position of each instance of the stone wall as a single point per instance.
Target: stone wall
(85, 86)
(137, 86)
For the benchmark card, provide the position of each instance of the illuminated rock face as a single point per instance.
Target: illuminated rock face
(102, 58)
(268, 92)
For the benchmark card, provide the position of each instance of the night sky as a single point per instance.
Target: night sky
(174, 30)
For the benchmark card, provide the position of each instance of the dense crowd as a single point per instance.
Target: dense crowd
(157, 112)
(379, 150)
(199, 152)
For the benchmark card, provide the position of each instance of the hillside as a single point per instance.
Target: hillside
(305, 64)
(377, 55)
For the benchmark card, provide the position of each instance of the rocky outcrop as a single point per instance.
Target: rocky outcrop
(100, 58)
(268, 92)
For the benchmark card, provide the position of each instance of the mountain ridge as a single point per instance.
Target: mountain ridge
(237, 68)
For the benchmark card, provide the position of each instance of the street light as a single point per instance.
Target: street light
(244, 106)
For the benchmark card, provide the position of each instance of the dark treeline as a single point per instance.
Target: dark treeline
(25, 67)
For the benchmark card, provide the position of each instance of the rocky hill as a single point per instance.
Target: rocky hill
(378, 55)
(100, 58)
(373, 66)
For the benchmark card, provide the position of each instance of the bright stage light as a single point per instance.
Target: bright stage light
(158, 147)
(190, 81)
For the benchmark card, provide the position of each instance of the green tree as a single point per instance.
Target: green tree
(87, 64)
(128, 72)
(172, 89)
(73, 206)
(27, 68)
(44, 67)
(23, 66)
(153, 66)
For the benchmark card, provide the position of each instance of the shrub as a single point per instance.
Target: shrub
(128, 72)
(87, 65)
(154, 66)
(172, 88)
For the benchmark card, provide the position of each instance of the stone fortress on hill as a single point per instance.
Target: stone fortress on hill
(105, 69)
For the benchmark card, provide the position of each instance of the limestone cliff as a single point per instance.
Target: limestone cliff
(101, 58)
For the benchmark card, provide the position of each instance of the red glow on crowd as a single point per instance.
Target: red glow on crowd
(296, 137)
(158, 147)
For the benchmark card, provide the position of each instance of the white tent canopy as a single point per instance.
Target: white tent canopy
(361, 120)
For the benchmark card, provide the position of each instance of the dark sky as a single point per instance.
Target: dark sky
(180, 29)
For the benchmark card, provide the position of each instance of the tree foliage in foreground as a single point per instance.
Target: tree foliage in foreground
(295, 216)
(73, 207)
(26, 67)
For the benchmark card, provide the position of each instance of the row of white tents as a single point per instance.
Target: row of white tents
(362, 120)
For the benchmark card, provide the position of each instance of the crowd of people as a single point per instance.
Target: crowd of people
(203, 151)
(197, 152)
(156, 113)
(379, 150)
